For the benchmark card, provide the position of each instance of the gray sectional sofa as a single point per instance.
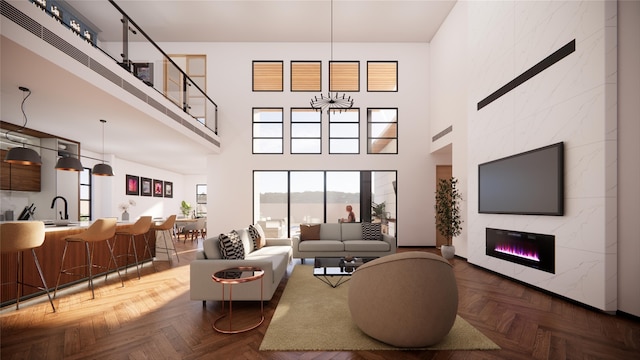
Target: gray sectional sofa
(340, 239)
(273, 258)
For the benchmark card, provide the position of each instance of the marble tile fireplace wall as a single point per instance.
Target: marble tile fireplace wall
(573, 101)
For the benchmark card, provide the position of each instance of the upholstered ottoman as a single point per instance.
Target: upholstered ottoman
(407, 299)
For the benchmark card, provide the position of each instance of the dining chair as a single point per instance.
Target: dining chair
(165, 229)
(195, 229)
(101, 230)
(19, 237)
(140, 227)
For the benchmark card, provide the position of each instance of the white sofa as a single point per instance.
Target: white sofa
(273, 258)
(340, 239)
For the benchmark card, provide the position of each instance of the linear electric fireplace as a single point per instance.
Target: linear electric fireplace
(533, 250)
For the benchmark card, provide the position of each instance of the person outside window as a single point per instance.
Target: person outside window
(351, 217)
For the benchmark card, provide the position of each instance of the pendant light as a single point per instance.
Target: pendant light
(102, 169)
(69, 163)
(335, 101)
(22, 155)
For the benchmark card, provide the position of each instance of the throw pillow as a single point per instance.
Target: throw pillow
(257, 240)
(231, 246)
(309, 232)
(260, 231)
(371, 231)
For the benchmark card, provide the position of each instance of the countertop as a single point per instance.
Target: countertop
(73, 225)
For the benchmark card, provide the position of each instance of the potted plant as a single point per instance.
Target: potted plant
(185, 208)
(378, 210)
(448, 220)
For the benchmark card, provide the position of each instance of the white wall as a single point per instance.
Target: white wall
(229, 179)
(109, 192)
(449, 86)
(573, 101)
(628, 151)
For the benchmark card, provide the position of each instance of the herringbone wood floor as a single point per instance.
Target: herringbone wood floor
(153, 318)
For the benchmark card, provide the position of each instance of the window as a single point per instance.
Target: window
(85, 195)
(382, 131)
(344, 132)
(285, 199)
(271, 194)
(181, 91)
(267, 76)
(196, 70)
(306, 197)
(343, 188)
(201, 200)
(382, 76)
(344, 76)
(306, 131)
(306, 76)
(267, 131)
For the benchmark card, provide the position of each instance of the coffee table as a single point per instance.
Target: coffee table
(233, 276)
(335, 271)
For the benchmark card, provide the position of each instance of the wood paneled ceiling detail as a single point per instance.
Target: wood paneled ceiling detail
(267, 76)
(306, 76)
(344, 76)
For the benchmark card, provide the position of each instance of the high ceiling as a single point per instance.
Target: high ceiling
(275, 21)
(66, 105)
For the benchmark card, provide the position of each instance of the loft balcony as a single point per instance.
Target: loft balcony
(81, 71)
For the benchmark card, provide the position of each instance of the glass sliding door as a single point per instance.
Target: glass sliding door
(343, 188)
(271, 191)
(307, 197)
(383, 191)
(285, 199)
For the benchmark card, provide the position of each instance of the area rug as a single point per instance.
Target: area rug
(311, 315)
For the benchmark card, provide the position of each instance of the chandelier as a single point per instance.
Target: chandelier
(331, 101)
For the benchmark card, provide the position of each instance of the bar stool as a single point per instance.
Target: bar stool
(18, 237)
(165, 229)
(100, 230)
(140, 227)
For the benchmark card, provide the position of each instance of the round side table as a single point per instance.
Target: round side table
(233, 276)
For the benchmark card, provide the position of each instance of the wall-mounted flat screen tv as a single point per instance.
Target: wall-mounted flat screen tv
(529, 183)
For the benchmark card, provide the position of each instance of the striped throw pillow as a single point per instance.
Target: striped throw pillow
(231, 246)
(371, 231)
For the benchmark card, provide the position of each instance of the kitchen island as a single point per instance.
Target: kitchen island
(50, 255)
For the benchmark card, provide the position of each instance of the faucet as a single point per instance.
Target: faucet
(66, 209)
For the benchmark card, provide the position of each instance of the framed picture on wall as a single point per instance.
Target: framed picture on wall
(146, 186)
(158, 190)
(132, 185)
(168, 189)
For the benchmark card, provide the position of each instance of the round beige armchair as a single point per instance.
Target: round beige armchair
(407, 299)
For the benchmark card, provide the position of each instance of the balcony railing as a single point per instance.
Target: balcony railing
(120, 38)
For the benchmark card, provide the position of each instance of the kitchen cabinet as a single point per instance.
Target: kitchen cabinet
(50, 257)
(19, 177)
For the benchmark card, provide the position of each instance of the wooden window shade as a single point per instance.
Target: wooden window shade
(382, 76)
(267, 76)
(344, 76)
(306, 76)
